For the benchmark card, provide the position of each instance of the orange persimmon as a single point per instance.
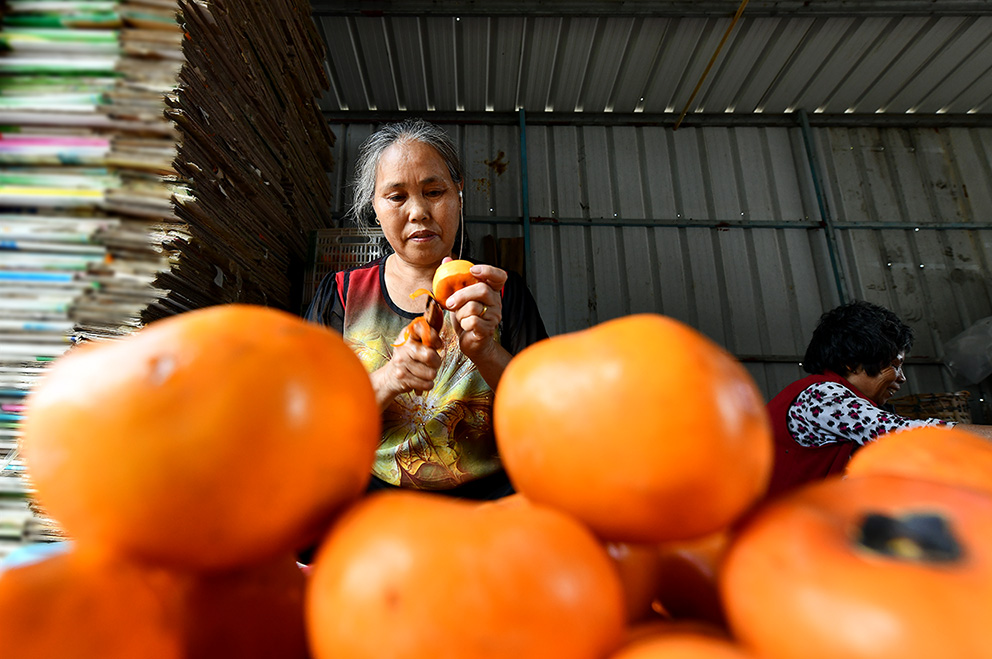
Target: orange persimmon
(937, 453)
(81, 605)
(864, 568)
(638, 566)
(686, 585)
(253, 612)
(411, 575)
(647, 629)
(452, 276)
(448, 278)
(682, 645)
(66, 606)
(211, 439)
(641, 427)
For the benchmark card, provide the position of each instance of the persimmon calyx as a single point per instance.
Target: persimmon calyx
(921, 537)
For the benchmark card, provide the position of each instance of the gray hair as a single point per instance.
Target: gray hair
(410, 130)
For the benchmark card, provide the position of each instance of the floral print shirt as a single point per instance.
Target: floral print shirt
(827, 412)
(440, 438)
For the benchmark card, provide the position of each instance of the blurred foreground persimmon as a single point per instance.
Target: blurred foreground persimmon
(688, 571)
(874, 567)
(934, 453)
(641, 427)
(66, 606)
(682, 645)
(211, 439)
(638, 566)
(81, 606)
(649, 629)
(410, 575)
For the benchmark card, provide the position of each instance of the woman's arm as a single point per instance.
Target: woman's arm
(826, 412)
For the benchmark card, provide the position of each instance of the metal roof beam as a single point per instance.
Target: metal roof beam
(668, 120)
(671, 8)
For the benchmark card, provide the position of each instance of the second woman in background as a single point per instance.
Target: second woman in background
(855, 359)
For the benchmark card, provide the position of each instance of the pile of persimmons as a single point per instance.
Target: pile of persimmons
(189, 463)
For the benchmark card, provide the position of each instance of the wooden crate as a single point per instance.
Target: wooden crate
(952, 406)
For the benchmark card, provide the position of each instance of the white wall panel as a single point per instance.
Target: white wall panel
(610, 285)
(645, 59)
(441, 64)
(505, 62)
(409, 60)
(659, 172)
(633, 182)
(642, 271)
(972, 151)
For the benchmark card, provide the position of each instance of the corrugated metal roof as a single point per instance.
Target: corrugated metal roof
(863, 62)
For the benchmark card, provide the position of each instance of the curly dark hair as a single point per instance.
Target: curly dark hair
(857, 334)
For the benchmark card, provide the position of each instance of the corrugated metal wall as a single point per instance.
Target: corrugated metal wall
(904, 201)
(721, 228)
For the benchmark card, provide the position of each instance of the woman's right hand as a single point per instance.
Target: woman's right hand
(413, 367)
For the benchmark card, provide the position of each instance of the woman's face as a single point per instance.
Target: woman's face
(880, 388)
(416, 202)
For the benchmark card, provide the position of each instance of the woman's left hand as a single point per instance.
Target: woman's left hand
(478, 310)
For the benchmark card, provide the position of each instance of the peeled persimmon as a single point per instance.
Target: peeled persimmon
(452, 276)
(935, 453)
(412, 575)
(641, 427)
(211, 439)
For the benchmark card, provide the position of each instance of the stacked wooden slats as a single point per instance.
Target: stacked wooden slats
(158, 156)
(253, 140)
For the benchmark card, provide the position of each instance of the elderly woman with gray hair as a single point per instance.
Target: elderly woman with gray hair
(435, 394)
